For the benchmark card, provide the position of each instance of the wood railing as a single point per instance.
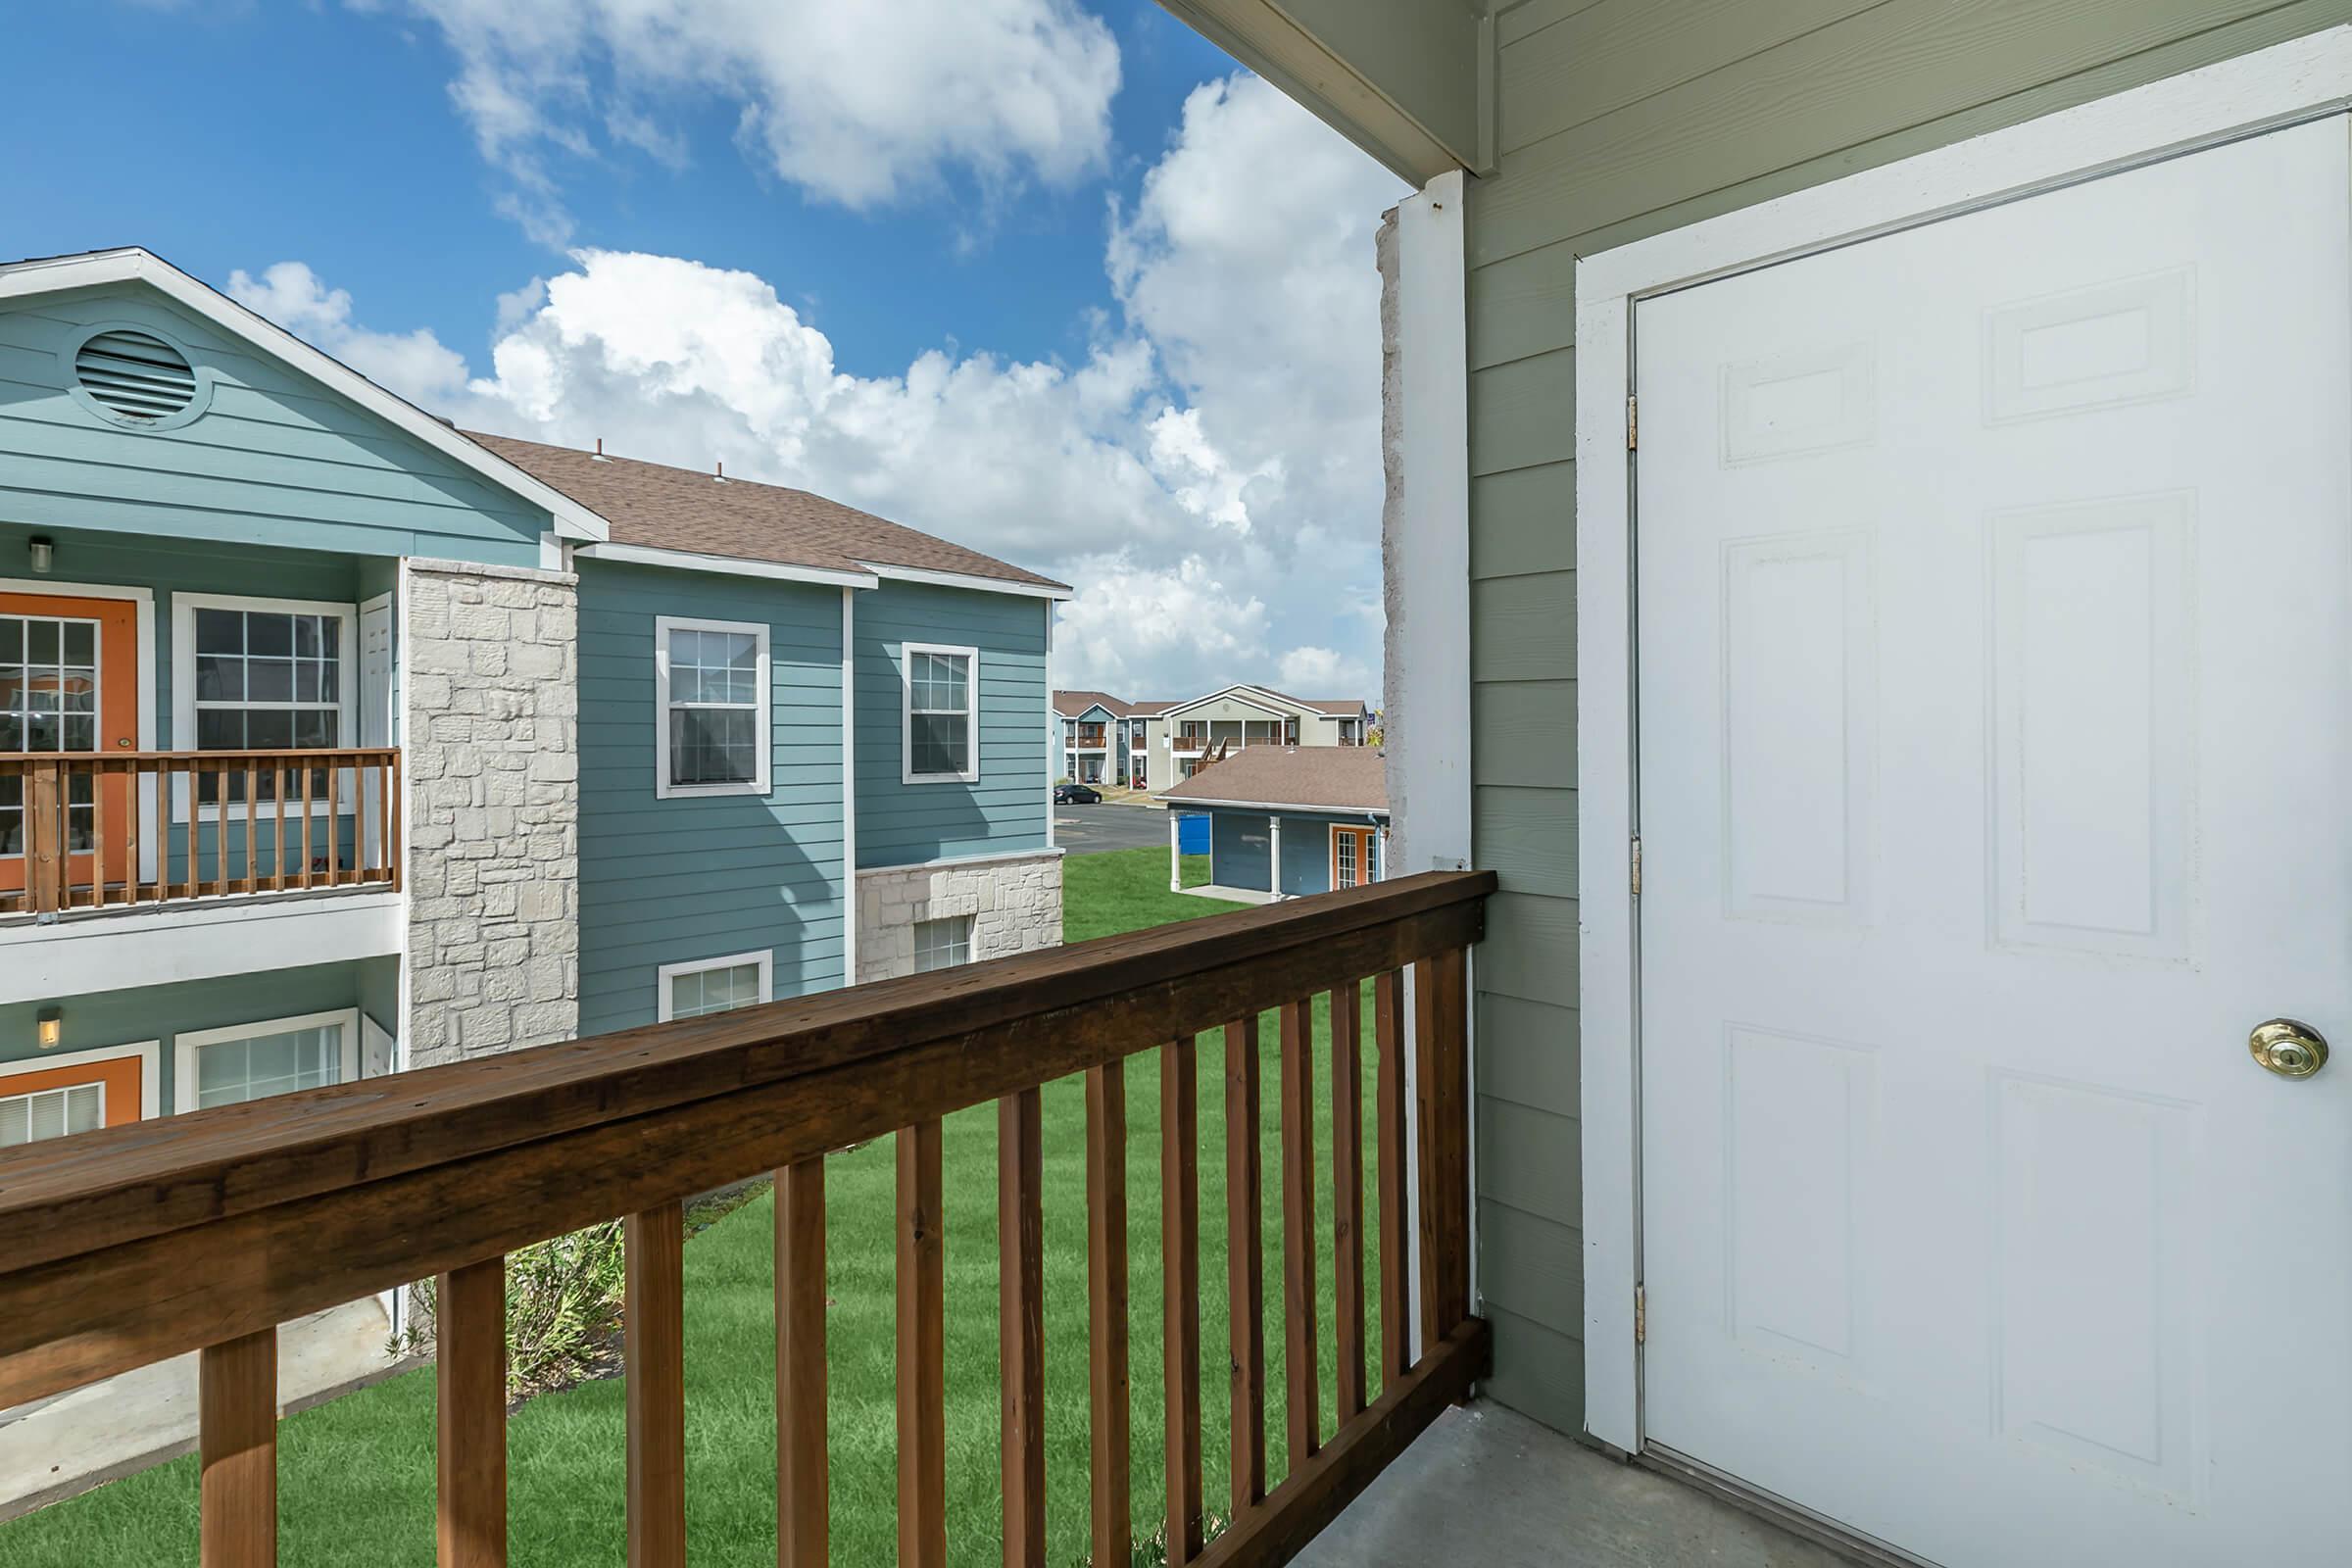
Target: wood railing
(123, 1247)
(94, 830)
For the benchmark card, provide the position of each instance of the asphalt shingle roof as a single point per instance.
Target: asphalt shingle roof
(1332, 779)
(660, 507)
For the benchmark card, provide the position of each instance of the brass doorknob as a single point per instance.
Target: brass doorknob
(2288, 1048)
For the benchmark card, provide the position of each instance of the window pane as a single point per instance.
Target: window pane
(40, 641)
(713, 746)
(81, 642)
(219, 631)
(270, 680)
(219, 679)
(306, 636)
(940, 743)
(12, 640)
(269, 634)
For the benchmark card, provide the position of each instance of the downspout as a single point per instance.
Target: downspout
(849, 787)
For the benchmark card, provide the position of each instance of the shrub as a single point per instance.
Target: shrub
(563, 1311)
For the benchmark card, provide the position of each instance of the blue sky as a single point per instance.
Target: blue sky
(1049, 280)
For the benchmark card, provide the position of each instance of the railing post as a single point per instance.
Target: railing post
(1022, 1323)
(1303, 1405)
(1107, 1310)
(921, 1351)
(1347, 1193)
(45, 835)
(238, 1416)
(1388, 1144)
(1245, 1262)
(1441, 1062)
(1180, 1246)
(653, 1368)
(803, 1489)
(469, 1321)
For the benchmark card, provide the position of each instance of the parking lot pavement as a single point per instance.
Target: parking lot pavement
(1090, 829)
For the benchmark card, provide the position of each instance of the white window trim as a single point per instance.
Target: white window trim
(150, 1055)
(971, 709)
(2265, 90)
(764, 959)
(761, 728)
(188, 1042)
(183, 677)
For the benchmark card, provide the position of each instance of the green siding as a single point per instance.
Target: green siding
(161, 1012)
(1004, 810)
(665, 881)
(1618, 119)
(276, 459)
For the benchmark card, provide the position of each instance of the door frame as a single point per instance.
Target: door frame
(147, 1052)
(142, 602)
(2269, 89)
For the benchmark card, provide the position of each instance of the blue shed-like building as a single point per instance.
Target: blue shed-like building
(1286, 822)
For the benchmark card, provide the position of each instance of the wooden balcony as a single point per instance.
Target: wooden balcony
(123, 1247)
(133, 830)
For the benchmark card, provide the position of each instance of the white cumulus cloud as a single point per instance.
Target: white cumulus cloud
(855, 107)
(1207, 475)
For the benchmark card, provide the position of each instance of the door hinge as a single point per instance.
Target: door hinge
(1637, 865)
(1641, 1315)
(1632, 422)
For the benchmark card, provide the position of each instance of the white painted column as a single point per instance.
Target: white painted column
(1428, 587)
(1429, 554)
(1274, 858)
(1175, 854)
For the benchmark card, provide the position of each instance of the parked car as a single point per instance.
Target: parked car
(1077, 794)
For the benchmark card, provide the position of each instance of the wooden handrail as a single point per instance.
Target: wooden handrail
(129, 1246)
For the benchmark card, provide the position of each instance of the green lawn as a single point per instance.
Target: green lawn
(357, 1476)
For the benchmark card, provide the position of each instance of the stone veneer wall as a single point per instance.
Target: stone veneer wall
(1015, 903)
(491, 753)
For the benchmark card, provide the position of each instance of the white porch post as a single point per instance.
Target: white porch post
(1175, 855)
(1274, 860)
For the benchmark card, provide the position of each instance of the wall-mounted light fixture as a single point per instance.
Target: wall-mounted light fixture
(50, 1027)
(43, 555)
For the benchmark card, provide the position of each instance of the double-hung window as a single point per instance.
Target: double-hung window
(714, 985)
(262, 675)
(255, 1060)
(942, 716)
(710, 733)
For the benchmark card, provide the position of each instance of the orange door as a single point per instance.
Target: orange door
(1351, 857)
(68, 682)
(41, 1103)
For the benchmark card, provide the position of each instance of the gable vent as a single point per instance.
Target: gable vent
(135, 375)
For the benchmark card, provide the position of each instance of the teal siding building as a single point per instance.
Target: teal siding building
(335, 741)
(692, 878)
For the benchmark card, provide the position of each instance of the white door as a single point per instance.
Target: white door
(1995, 696)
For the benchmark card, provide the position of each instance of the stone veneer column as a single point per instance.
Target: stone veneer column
(491, 754)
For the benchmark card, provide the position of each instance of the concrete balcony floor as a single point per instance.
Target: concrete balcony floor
(1486, 1486)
